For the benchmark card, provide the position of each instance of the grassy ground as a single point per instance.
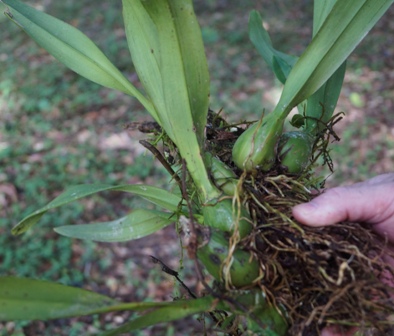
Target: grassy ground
(57, 129)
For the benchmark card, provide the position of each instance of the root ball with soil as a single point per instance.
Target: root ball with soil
(314, 276)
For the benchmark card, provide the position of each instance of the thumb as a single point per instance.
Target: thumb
(359, 203)
(326, 209)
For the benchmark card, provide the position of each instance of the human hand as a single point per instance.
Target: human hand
(371, 202)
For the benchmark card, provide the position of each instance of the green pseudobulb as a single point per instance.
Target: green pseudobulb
(224, 177)
(243, 270)
(256, 147)
(295, 150)
(222, 215)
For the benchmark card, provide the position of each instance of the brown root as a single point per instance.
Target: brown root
(321, 276)
(332, 275)
(335, 275)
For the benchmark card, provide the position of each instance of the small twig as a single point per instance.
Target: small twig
(162, 160)
(175, 274)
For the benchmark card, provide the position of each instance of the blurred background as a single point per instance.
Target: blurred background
(57, 130)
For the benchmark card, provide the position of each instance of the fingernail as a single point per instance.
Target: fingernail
(307, 207)
(305, 212)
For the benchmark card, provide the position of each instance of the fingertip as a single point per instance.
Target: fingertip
(306, 213)
(338, 331)
(318, 212)
(326, 209)
(327, 332)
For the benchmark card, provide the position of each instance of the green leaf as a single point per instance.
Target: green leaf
(174, 311)
(263, 318)
(345, 26)
(166, 48)
(29, 299)
(343, 29)
(281, 68)
(168, 53)
(194, 61)
(72, 48)
(321, 9)
(279, 62)
(297, 121)
(139, 223)
(155, 195)
(269, 321)
(321, 105)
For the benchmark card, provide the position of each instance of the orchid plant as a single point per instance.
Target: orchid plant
(167, 51)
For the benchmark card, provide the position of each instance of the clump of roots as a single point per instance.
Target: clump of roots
(328, 275)
(335, 275)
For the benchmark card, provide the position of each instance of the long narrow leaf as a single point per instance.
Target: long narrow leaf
(177, 310)
(168, 53)
(279, 62)
(157, 36)
(321, 9)
(268, 320)
(195, 64)
(144, 38)
(29, 299)
(139, 223)
(321, 105)
(341, 32)
(155, 195)
(72, 48)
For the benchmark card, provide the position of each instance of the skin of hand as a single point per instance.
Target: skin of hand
(371, 202)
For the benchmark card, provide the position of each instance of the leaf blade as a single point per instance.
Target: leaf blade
(279, 62)
(195, 64)
(173, 311)
(155, 195)
(72, 48)
(343, 29)
(33, 299)
(321, 105)
(138, 224)
(154, 38)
